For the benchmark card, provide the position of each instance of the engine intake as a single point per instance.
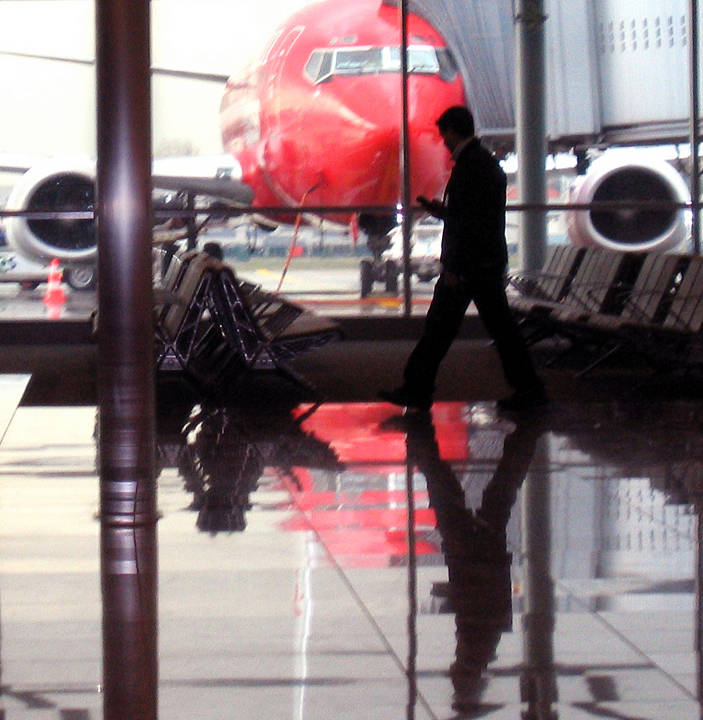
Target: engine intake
(55, 186)
(630, 176)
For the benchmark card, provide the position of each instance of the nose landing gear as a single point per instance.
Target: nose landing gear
(378, 269)
(382, 271)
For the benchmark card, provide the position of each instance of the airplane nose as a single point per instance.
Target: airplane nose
(374, 161)
(345, 149)
(377, 149)
(429, 163)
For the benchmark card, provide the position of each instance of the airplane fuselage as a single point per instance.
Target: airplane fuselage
(316, 120)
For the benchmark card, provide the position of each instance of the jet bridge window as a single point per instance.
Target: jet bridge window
(422, 59)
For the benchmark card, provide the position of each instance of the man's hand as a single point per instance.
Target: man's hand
(433, 207)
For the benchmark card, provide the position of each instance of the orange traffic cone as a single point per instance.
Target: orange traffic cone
(54, 296)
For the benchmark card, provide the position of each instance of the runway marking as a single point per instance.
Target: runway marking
(266, 272)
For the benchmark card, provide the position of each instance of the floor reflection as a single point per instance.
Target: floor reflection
(347, 561)
(474, 544)
(221, 454)
(482, 502)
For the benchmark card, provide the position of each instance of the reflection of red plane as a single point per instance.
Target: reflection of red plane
(314, 121)
(365, 524)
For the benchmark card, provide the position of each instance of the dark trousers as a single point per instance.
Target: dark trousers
(487, 290)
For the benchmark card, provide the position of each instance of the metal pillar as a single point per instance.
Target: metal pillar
(411, 667)
(125, 351)
(531, 129)
(406, 200)
(695, 127)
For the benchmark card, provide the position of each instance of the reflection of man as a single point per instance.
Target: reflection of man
(474, 546)
(474, 260)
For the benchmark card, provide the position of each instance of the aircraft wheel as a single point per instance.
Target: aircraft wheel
(366, 277)
(80, 277)
(391, 277)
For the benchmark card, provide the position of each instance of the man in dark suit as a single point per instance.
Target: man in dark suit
(474, 261)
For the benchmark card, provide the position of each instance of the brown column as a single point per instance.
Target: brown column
(129, 591)
(125, 360)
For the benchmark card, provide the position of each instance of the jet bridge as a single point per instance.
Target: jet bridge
(617, 71)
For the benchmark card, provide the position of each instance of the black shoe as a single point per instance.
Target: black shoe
(405, 398)
(524, 400)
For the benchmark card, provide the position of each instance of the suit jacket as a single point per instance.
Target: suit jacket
(474, 213)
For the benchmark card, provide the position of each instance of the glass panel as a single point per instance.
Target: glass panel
(286, 126)
(447, 64)
(420, 59)
(319, 66)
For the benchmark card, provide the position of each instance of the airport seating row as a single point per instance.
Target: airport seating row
(212, 328)
(605, 301)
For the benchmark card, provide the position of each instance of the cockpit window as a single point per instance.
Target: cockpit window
(422, 59)
(319, 65)
(447, 66)
(358, 61)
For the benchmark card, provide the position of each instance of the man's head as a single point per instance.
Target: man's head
(455, 125)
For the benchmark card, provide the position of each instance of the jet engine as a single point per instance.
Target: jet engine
(54, 186)
(630, 176)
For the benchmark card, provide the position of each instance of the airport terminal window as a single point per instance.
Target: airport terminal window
(422, 59)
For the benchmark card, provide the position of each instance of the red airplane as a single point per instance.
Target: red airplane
(314, 121)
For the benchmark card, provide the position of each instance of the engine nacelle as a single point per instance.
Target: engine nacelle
(630, 175)
(54, 186)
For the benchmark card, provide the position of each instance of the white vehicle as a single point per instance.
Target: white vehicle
(425, 248)
(17, 268)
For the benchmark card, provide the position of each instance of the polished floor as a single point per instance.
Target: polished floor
(343, 561)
